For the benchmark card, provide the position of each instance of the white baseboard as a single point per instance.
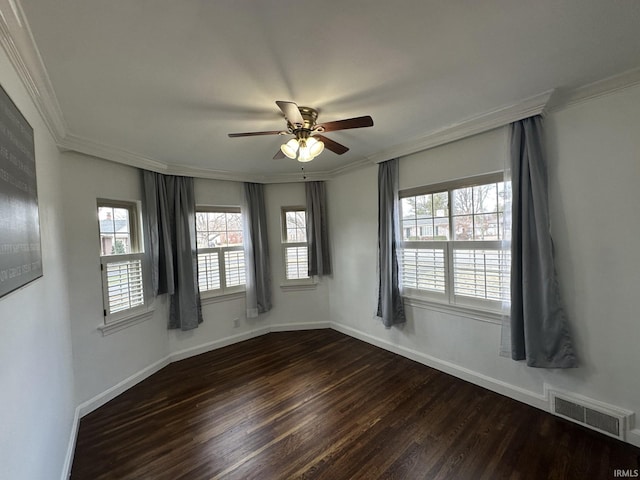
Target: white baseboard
(292, 327)
(121, 387)
(522, 395)
(528, 397)
(71, 447)
(633, 437)
(102, 398)
(537, 400)
(99, 400)
(223, 342)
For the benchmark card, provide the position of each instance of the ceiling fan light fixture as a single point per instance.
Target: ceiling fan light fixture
(304, 154)
(290, 148)
(302, 123)
(315, 146)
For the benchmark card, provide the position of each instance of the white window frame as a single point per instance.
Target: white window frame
(224, 290)
(286, 245)
(115, 320)
(447, 297)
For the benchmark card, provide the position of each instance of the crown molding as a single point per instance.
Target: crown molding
(566, 98)
(350, 167)
(243, 177)
(78, 144)
(74, 143)
(18, 43)
(472, 126)
(298, 177)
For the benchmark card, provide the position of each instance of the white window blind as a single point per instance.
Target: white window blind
(221, 265)
(294, 243)
(208, 270)
(121, 259)
(296, 263)
(122, 275)
(234, 267)
(482, 273)
(424, 268)
(453, 242)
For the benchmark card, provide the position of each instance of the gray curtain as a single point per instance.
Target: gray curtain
(317, 229)
(390, 307)
(256, 248)
(158, 234)
(539, 326)
(170, 222)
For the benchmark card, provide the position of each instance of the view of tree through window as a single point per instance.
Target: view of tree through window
(426, 217)
(478, 212)
(217, 229)
(219, 239)
(295, 243)
(452, 240)
(115, 232)
(296, 226)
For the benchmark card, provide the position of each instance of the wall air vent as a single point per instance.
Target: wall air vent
(605, 419)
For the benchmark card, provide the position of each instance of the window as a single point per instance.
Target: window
(220, 251)
(452, 245)
(121, 257)
(294, 243)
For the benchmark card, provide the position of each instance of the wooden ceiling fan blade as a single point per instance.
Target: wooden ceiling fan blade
(279, 155)
(291, 112)
(357, 122)
(255, 134)
(335, 147)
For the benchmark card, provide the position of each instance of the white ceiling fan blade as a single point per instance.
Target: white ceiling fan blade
(291, 113)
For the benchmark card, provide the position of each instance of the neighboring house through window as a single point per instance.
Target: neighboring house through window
(121, 258)
(221, 265)
(453, 245)
(294, 243)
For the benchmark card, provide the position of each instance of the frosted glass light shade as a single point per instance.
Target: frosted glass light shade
(304, 155)
(290, 148)
(315, 147)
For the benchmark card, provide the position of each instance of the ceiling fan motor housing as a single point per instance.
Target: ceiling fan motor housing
(310, 116)
(301, 123)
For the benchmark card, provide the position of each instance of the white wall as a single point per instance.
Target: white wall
(295, 309)
(36, 375)
(594, 167)
(594, 170)
(291, 308)
(217, 326)
(101, 362)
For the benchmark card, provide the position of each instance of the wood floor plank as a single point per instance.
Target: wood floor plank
(321, 405)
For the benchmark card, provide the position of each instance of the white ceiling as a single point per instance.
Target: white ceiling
(167, 80)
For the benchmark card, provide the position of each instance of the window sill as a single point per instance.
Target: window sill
(121, 324)
(221, 297)
(487, 316)
(299, 285)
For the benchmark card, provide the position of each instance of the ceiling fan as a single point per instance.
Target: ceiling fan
(308, 142)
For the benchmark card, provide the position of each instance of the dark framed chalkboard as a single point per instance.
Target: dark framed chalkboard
(20, 250)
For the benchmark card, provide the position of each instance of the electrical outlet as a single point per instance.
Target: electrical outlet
(236, 322)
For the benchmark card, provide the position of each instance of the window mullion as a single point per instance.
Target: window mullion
(222, 269)
(449, 272)
(222, 257)
(449, 251)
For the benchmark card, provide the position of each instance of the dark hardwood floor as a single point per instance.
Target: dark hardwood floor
(319, 404)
